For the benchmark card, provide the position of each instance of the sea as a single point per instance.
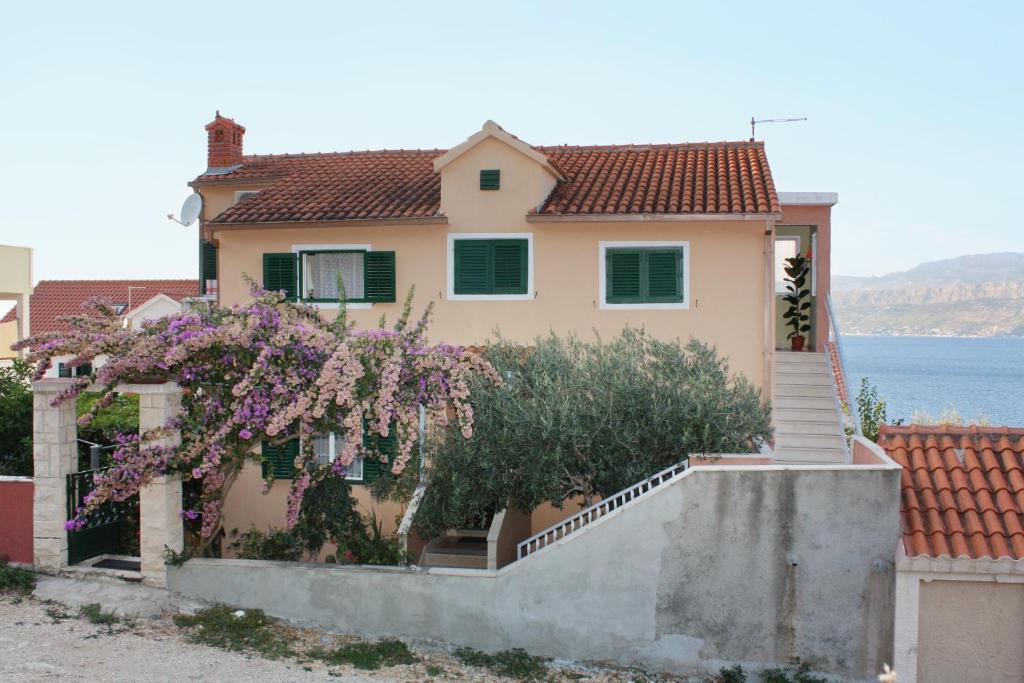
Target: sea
(982, 378)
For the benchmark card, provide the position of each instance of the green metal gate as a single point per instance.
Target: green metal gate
(102, 530)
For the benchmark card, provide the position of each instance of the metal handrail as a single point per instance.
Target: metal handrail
(597, 510)
(836, 340)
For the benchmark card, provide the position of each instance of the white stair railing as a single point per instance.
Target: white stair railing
(847, 404)
(598, 510)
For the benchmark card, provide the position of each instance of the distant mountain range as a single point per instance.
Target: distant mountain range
(971, 296)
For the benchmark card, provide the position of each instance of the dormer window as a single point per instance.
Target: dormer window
(490, 179)
(242, 194)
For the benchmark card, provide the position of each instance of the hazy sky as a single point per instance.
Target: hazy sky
(915, 109)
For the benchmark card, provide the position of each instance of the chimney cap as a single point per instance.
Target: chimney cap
(223, 122)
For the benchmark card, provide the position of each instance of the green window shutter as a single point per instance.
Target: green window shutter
(83, 370)
(280, 272)
(280, 459)
(511, 261)
(63, 370)
(207, 264)
(623, 275)
(490, 179)
(379, 276)
(472, 267)
(664, 276)
(388, 445)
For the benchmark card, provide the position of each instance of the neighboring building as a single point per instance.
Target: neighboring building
(15, 285)
(134, 300)
(684, 240)
(960, 567)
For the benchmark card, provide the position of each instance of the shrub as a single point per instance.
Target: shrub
(94, 614)
(277, 544)
(587, 419)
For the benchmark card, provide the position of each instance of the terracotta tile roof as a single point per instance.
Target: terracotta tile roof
(54, 299)
(693, 178)
(962, 489)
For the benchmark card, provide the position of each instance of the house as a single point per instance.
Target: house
(960, 566)
(135, 300)
(682, 239)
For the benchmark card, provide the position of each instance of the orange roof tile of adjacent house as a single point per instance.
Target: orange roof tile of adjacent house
(54, 299)
(692, 178)
(962, 489)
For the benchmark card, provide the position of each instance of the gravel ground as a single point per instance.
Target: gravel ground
(45, 641)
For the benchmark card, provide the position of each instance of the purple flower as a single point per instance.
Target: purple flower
(245, 434)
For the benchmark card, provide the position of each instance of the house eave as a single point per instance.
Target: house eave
(651, 217)
(347, 222)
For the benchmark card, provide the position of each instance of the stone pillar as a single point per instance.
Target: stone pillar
(160, 502)
(55, 456)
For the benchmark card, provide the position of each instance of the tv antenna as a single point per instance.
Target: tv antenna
(754, 122)
(189, 210)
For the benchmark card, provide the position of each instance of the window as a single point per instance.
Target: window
(311, 273)
(242, 194)
(644, 274)
(326, 448)
(785, 248)
(493, 266)
(490, 179)
(207, 267)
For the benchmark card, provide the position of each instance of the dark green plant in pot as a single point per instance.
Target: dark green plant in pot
(798, 296)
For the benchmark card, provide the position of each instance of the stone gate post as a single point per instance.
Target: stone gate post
(160, 502)
(54, 456)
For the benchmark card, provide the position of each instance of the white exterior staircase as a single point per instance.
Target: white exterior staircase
(806, 414)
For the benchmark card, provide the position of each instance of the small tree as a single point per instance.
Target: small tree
(871, 409)
(16, 419)
(798, 296)
(574, 418)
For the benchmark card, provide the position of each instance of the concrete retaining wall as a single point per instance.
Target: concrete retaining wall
(750, 564)
(16, 518)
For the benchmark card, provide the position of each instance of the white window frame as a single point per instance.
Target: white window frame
(814, 263)
(332, 447)
(602, 274)
(528, 236)
(242, 194)
(327, 305)
(799, 246)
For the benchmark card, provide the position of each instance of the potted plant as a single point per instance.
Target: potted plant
(798, 296)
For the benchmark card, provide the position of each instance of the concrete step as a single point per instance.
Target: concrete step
(815, 403)
(795, 455)
(828, 441)
(832, 428)
(791, 357)
(810, 378)
(441, 559)
(826, 413)
(803, 390)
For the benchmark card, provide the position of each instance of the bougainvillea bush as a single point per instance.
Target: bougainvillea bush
(267, 370)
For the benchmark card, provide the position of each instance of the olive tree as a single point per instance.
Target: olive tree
(584, 419)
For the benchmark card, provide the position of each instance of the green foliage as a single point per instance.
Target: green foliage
(798, 296)
(370, 656)
(731, 675)
(871, 410)
(375, 547)
(15, 579)
(576, 418)
(254, 631)
(515, 663)
(94, 614)
(277, 544)
(16, 420)
(328, 513)
(799, 673)
(121, 416)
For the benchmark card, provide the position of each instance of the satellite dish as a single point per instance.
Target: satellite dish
(191, 208)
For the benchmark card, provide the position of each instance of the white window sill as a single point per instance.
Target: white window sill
(490, 297)
(682, 306)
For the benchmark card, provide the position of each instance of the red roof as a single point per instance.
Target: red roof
(962, 489)
(692, 178)
(53, 299)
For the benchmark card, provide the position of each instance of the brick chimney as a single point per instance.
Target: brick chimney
(224, 142)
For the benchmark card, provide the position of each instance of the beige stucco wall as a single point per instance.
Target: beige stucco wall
(971, 631)
(8, 336)
(727, 278)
